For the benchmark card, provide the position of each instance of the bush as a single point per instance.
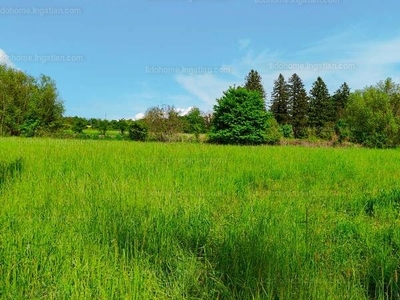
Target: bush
(273, 131)
(327, 131)
(78, 126)
(138, 131)
(342, 131)
(29, 128)
(287, 131)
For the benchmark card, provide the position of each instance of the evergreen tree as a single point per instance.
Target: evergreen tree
(280, 101)
(239, 118)
(339, 101)
(298, 105)
(320, 109)
(254, 83)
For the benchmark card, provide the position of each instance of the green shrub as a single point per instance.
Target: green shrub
(273, 131)
(287, 131)
(138, 131)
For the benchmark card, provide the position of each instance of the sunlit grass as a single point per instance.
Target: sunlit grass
(125, 220)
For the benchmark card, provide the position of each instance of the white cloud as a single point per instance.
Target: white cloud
(139, 116)
(345, 57)
(206, 87)
(184, 111)
(5, 60)
(180, 111)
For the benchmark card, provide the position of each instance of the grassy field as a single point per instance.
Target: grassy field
(125, 220)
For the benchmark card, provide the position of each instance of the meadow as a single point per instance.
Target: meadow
(83, 219)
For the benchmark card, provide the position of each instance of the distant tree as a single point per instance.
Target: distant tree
(163, 122)
(173, 123)
(254, 83)
(339, 101)
(78, 125)
(239, 118)
(320, 111)
(138, 131)
(113, 125)
(122, 126)
(280, 101)
(195, 121)
(103, 126)
(94, 123)
(208, 120)
(298, 103)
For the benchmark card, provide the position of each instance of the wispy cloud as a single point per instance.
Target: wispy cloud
(344, 57)
(207, 88)
(244, 43)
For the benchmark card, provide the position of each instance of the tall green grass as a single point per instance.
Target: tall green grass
(124, 220)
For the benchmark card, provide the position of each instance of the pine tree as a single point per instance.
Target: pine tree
(339, 101)
(254, 83)
(320, 110)
(280, 101)
(298, 105)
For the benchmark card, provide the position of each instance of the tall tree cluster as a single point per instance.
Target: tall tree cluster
(315, 111)
(28, 105)
(241, 116)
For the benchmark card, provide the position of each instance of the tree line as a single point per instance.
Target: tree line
(371, 116)
(160, 123)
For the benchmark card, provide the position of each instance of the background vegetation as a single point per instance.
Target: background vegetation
(370, 117)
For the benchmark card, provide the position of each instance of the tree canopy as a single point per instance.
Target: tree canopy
(372, 115)
(28, 105)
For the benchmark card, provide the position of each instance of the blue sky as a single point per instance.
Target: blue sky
(131, 55)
